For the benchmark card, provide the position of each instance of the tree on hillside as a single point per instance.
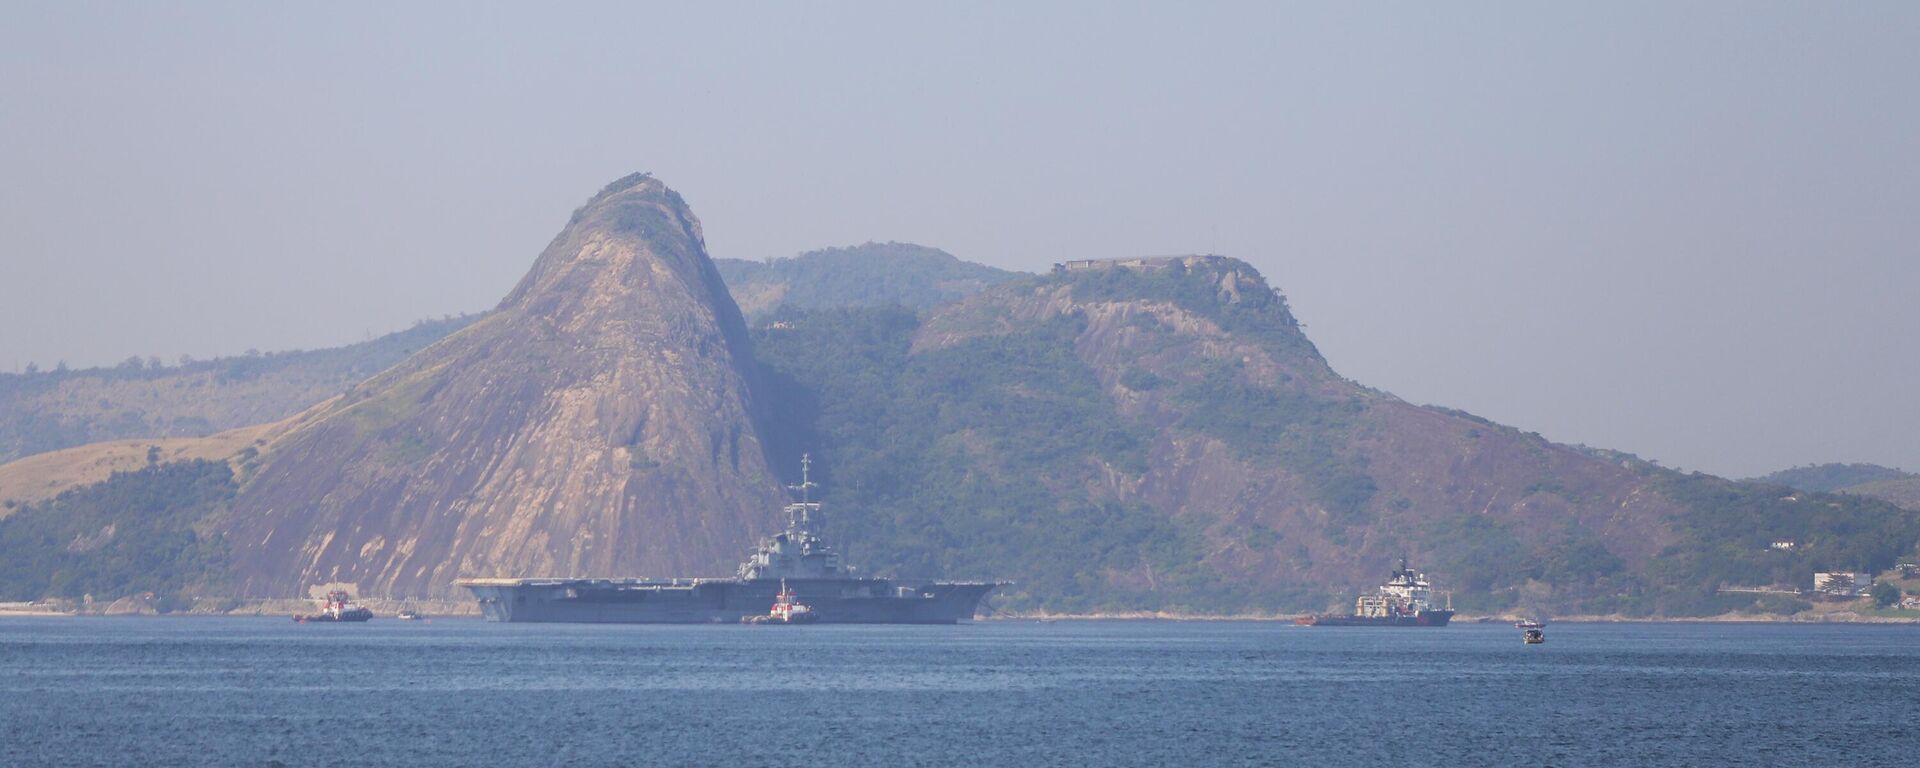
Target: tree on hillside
(1838, 584)
(1884, 594)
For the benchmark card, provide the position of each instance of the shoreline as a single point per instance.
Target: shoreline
(456, 609)
(1049, 619)
(1836, 617)
(1053, 618)
(277, 608)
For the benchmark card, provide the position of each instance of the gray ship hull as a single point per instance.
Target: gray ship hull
(723, 601)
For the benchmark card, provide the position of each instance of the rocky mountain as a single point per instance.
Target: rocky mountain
(1137, 434)
(869, 275)
(600, 420)
(46, 411)
(1159, 434)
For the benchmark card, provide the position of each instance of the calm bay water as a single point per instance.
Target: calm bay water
(245, 691)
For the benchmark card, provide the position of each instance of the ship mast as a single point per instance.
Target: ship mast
(806, 481)
(801, 514)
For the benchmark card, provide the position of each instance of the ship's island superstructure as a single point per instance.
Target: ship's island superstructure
(798, 561)
(1406, 600)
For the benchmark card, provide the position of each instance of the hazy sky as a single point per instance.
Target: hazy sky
(1682, 230)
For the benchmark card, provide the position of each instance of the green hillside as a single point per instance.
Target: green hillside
(995, 439)
(1729, 525)
(1154, 435)
(134, 533)
(1904, 491)
(954, 462)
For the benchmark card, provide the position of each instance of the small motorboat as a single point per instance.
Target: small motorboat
(408, 614)
(1530, 624)
(1534, 636)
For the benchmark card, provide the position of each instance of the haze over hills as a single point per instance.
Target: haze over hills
(50, 410)
(1904, 491)
(1886, 483)
(1833, 477)
(872, 274)
(150, 404)
(1152, 434)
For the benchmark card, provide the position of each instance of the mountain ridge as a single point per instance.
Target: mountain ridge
(1129, 434)
(1231, 424)
(599, 420)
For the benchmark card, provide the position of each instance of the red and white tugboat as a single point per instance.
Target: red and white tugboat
(786, 610)
(336, 607)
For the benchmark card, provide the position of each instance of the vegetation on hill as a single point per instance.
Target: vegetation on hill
(869, 275)
(1726, 538)
(132, 534)
(1155, 438)
(48, 410)
(1226, 291)
(1904, 491)
(42, 411)
(44, 476)
(996, 451)
(1305, 431)
(974, 460)
(962, 462)
(1827, 478)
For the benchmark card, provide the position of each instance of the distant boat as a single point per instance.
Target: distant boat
(1406, 600)
(1530, 624)
(1534, 637)
(337, 606)
(786, 610)
(407, 614)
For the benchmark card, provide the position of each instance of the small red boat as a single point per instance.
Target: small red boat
(786, 610)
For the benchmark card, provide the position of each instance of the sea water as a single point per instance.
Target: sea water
(255, 691)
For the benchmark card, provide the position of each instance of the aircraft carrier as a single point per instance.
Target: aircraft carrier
(801, 556)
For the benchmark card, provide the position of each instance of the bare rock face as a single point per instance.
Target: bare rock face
(599, 422)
